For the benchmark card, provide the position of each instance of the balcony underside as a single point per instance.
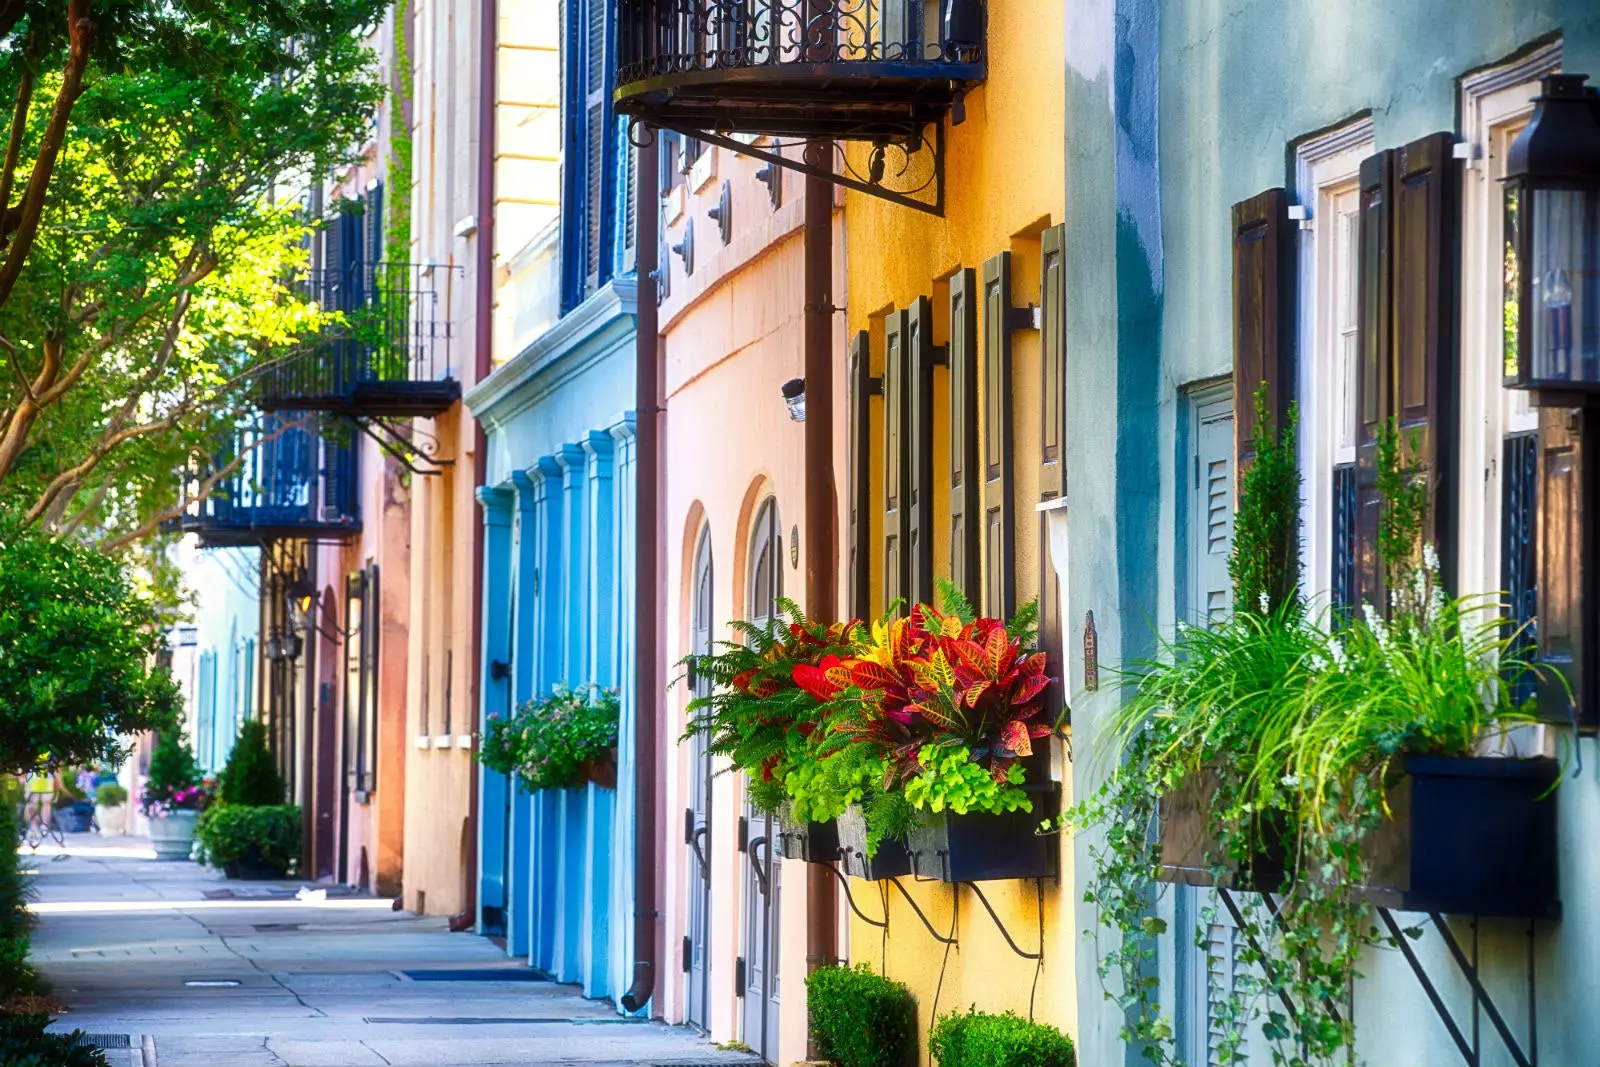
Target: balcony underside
(215, 534)
(372, 399)
(841, 100)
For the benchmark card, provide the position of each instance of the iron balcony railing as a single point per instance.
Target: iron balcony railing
(281, 479)
(385, 352)
(842, 68)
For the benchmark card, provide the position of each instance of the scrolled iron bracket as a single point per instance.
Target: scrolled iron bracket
(1039, 888)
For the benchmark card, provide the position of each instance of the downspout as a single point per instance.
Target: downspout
(647, 676)
(489, 27)
(822, 554)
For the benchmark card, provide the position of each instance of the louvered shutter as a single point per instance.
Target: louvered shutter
(630, 182)
(1052, 444)
(667, 174)
(1566, 582)
(1263, 313)
(1423, 314)
(1374, 345)
(594, 190)
(333, 258)
(896, 460)
(999, 520)
(966, 558)
(919, 449)
(860, 476)
(374, 224)
(1211, 513)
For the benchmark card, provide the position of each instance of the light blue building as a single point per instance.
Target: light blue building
(556, 871)
(218, 670)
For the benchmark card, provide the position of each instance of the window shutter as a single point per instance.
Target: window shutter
(1211, 514)
(999, 519)
(966, 568)
(919, 449)
(371, 641)
(630, 181)
(1566, 584)
(1423, 315)
(896, 460)
(374, 223)
(1263, 313)
(1052, 446)
(333, 263)
(352, 224)
(1374, 373)
(594, 185)
(668, 174)
(860, 476)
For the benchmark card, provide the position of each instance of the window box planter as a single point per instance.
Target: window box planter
(1469, 836)
(810, 842)
(602, 770)
(980, 847)
(892, 860)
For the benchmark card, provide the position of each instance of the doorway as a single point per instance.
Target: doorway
(697, 821)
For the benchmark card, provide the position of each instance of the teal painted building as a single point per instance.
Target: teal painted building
(1177, 111)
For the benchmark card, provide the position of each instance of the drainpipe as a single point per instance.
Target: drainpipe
(647, 674)
(822, 554)
(484, 341)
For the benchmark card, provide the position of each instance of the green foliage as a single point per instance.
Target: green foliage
(951, 780)
(77, 644)
(397, 237)
(1405, 510)
(110, 795)
(269, 834)
(859, 1019)
(24, 1042)
(251, 776)
(16, 976)
(554, 743)
(174, 782)
(981, 1039)
(1265, 565)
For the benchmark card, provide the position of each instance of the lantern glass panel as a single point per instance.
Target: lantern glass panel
(1564, 284)
(1512, 306)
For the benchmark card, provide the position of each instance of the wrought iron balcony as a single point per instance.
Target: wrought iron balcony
(385, 355)
(278, 479)
(874, 70)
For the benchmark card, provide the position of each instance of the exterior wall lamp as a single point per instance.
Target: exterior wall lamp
(1552, 247)
(794, 395)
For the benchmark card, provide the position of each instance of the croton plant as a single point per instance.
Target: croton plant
(925, 713)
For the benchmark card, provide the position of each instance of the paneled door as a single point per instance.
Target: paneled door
(697, 819)
(759, 941)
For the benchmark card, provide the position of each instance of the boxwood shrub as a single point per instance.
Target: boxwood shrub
(24, 1043)
(859, 1019)
(980, 1039)
(229, 833)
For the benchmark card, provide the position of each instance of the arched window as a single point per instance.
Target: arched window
(766, 564)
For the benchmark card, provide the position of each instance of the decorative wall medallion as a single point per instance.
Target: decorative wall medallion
(1091, 654)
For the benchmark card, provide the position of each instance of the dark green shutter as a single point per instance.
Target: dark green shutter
(966, 558)
(1566, 582)
(860, 476)
(919, 449)
(1424, 314)
(896, 465)
(374, 223)
(1375, 371)
(1052, 444)
(999, 518)
(1263, 313)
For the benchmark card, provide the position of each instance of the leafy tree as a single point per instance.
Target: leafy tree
(147, 244)
(78, 653)
(251, 776)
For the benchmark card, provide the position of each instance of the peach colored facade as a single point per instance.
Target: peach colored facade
(732, 334)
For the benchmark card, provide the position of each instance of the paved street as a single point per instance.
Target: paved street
(198, 971)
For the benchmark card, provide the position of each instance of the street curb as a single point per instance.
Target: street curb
(147, 1051)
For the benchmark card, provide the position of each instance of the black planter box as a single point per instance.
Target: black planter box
(1468, 836)
(892, 861)
(810, 842)
(75, 818)
(980, 847)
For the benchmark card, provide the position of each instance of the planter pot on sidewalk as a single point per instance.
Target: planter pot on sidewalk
(113, 821)
(1468, 836)
(172, 835)
(75, 818)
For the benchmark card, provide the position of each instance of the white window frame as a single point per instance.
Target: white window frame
(1327, 169)
(1495, 105)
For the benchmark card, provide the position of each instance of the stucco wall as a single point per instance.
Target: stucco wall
(1006, 182)
(1174, 113)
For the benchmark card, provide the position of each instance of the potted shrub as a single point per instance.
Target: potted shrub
(860, 1019)
(173, 797)
(982, 1039)
(74, 809)
(564, 741)
(1337, 762)
(251, 775)
(250, 841)
(111, 809)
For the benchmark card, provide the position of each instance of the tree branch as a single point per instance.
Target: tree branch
(19, 127)
(80, 32)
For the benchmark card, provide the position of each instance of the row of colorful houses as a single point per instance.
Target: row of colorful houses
(1020, 265)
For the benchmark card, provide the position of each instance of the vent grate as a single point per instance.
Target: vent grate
(105, 1040)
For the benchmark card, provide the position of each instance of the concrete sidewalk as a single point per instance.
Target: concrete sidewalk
(203, 972)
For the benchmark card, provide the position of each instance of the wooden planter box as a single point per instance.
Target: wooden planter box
(892, 861)
(1468, 836)
(810, 842)
(602, 770)
(979, 847)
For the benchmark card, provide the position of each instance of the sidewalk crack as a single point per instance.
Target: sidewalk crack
(374, 1051)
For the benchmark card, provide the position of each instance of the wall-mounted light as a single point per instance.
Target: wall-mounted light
(1552, 244)
(794, 395)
